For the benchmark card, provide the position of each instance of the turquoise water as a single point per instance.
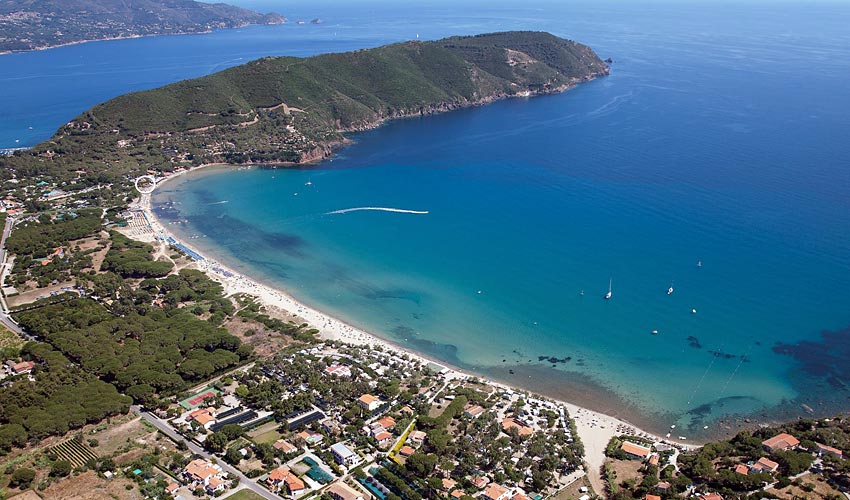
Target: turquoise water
(720, 137)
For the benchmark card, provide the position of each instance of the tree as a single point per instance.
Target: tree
(61, 468)
(22, 478)
(233, 456)
(216, 442)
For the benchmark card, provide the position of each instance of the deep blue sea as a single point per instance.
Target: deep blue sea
(720, 138)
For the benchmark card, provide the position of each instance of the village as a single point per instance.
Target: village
(352, 423)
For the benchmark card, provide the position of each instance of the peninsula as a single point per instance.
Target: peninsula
(285, 109)
(41, 24)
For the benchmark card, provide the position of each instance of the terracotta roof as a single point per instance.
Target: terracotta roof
(781, 442)
(474, 411)
(202, 416)
(387, 422)
(344, 491)
(512, 423)
(635, 449)
(519, 496)
(367, 399)
(23, 366)
(652, 497)
(215, 482)
(712, 496)
(494, 491)
(382, 436)
(653, 459)
(742, 469)
(278, 474)
(293, 483)
(449, 484)
(171, 487)
(765, 464)
(406, 451)
(284, 446)
(458, 493)
(200, 470)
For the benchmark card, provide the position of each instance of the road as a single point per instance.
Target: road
(166, 429)
(5, 318)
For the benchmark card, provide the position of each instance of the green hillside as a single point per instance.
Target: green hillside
(284, 109)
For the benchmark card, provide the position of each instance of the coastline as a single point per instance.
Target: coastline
(130, 37)
(595, 428)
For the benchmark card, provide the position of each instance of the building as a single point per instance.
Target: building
(344, 455)
(201, 473)
(652, 497)
(369, 402)
(495, 491)
(473, 411)
(742, 469)
(215, 484)
(635, 450)
(781, 442)
(284, 446)
(406, 451)
(310, 437)
(417, 437)
(448, 484)
(511, 423)
(342, 491)
(829, 450)
(338, 370)
(386, 423)
(282, 479)
(384, 439)
(203, 416)
(712, 496)
(764, 465)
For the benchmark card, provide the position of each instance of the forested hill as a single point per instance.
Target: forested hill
(35, 24)
(280, 109)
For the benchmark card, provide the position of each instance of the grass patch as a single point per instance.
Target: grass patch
(266, 437)
(245, 495)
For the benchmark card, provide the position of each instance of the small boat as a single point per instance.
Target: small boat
(655, 332)
(699, 263)
(670, 290)
(609, 294)
(693, 311)
(308, 183)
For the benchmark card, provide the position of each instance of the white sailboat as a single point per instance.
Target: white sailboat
(670, 290)
(609, 294)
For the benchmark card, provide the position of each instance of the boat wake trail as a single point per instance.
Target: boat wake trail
(218, 202)
(378, 209)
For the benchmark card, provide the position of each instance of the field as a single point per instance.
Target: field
(73, 451)
(266, 433)
(244, 495)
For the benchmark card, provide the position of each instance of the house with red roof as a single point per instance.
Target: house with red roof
(781, 442)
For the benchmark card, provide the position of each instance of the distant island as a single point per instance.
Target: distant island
(294, 110)
(40, 24)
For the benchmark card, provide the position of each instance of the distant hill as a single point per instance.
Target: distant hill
(287, 109)
(37, 24)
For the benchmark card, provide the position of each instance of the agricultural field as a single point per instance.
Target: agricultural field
(244, 495)
(73, 451)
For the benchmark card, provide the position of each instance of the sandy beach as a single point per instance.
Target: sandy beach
(595, 429)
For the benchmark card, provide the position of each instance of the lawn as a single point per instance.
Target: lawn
(245, 495)
(267, 437)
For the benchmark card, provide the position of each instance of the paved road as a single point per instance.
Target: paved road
(5, 319)
(194, 448)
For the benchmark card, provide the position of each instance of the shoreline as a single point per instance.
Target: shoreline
(130, 37)
(595, 428)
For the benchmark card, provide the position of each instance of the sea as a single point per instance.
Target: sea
(706, 181)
